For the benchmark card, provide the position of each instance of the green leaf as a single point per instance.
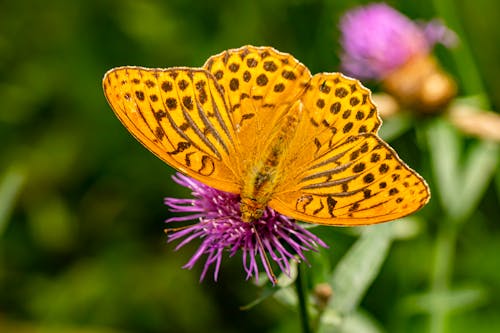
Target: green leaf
(266, 293)
(357, 322)
(460, 189)
(481, 165)
(456, 300)
(358, 268)
(283, 291)
(407, 227)
(444, 147)
(287, 296)
(10, 187)
(395, 126)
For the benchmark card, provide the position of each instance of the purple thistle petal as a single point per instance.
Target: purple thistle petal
(184, 218)
(436, 32)
(187, 239)
(217, 264)
(265, 264)
(274, 237)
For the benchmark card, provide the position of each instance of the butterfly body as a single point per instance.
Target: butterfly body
(264, 173)
(253, 121)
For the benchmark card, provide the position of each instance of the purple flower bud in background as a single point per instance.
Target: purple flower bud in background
(377, 39)
(382, 44)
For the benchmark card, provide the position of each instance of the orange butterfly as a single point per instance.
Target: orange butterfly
(253, 121)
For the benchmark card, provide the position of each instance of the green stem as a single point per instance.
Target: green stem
(441, 274)
(446, 238)
(301, 295)
(470, 77)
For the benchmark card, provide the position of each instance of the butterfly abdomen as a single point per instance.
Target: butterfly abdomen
(263, 176)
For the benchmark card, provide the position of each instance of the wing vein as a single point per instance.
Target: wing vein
(219, 117)
(327, 173)
(199, 133)
(212, 129)
(331, 183)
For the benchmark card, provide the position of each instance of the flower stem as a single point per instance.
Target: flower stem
(301, 295)
(441, 274)
(471, 80)
(446, 238)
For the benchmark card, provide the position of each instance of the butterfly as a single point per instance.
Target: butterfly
(253, 121)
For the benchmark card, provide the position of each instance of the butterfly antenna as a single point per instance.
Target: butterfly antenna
(266, 259)
(169, 230)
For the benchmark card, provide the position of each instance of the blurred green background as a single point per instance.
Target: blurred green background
(82, 247)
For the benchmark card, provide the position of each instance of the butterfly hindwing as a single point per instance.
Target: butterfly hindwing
(361, 181)
(344, 173)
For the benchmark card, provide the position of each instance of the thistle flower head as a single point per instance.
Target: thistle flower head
(221, 230)
(377, 39)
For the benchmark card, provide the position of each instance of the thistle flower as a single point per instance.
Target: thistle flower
(221, 229)
(382, 44)
(377, 39)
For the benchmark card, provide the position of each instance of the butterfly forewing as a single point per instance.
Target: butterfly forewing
(261, 75)
(180, 115)
(260, 84)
